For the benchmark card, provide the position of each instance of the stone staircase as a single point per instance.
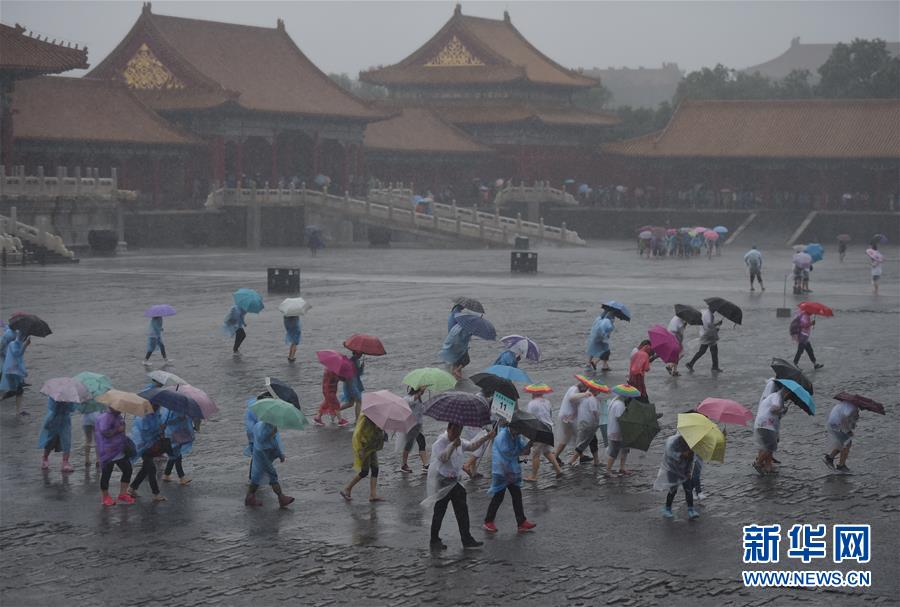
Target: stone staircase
(22, 243)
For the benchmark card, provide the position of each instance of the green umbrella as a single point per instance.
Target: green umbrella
(95, 383)
(436, 379)
(90, 406)
(638, 424)
(279, 413)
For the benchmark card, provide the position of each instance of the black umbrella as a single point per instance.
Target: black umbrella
(724, 307)
(531, 427)
(787, 370)
(492, 383)
(469, 304)
(688, 314)
(278, 389)
(29, 324)
(854, 399)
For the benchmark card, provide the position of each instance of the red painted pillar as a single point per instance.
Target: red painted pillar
(217, 159)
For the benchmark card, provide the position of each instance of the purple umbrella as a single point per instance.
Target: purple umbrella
(65, 390)
(460, 408)
(173, 401)
(664, 343)
(159, 310)
(802, 260)
(477, 326)
(522, 345)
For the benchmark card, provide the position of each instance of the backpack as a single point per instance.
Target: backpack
(795, 326)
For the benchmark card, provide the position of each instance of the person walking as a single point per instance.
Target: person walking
(675, 469)
(353, 386)
(541, 409)
(266, 448)
(766, 426)
(12, 383)
(179, 429)
(615, 450)
(754, 261)
(598, 341)
(330, 404)
(841, 425)
(56, 433)
(568, 414)
(875, 261)
(455, 349)
(709, 339)
(155, 341)
(640, 364)
(506, 475)
(114, 448)
(676, 327)
(588, 422)
(368, 440)
(292, 335)
(801, 331)
(235, 321)
(147, 433)
(414, 435)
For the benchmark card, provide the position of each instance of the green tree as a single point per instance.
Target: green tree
(795, 85)
(359, 88)
(594, 98)
(861, 69)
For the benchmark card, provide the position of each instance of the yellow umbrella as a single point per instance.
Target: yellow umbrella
(126, 402)
(702, 436)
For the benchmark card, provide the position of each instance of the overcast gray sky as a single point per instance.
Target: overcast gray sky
(352, 36)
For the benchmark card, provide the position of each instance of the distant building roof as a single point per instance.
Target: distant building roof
(639, 87)
(802, 56)
(418, 130)
(88, 110)
(31, 56)
(823, 129)
(179, 63)
(473, 50)
(513, 112)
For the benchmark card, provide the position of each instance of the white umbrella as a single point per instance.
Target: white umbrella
(294, 306)
(164, 378)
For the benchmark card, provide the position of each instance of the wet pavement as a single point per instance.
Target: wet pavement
(598, 540)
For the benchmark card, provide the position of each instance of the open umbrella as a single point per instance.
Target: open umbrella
(802, 260)
(460, 408)
(207, 405)
(812, 307)
(125, 402)
(437, 380)
(279, 413)
(469, 304)
(510, 373)
(725, 411)
(531, 427)
(294, 306)
(365, 344)
(590, 383)
(666, 345)
(626, 390)
(815, 251)
(65, 390)
(337, 363)
(388, 411)
(494, 383)
(843, 237)
(720, 229)
(645, 235)
(29, 324)
(538, 389)
(280, 390)
(711, 235)
(173, 401)
(646, 228)
(638, 425)
(688, 314)
(159, 310)
(619, 310)
(700, 229)
(874, 255)
(96, 383)
(164, 378)
(799, 395)
(248, 300)
(787, 370)
(477, 326)
(725, 308)
(878, 238)
(702, 436)
(532, 351)
(861, 401)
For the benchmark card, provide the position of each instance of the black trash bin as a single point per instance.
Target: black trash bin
(523, 261)
(521, 243)
(284, 280)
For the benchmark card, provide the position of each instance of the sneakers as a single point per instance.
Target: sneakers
(841, 468)
(437, 544)
(817, 366)
(692, 514)
(700, 496)
(167, 478)
(108, 500)
(317, 420)
(689, 367)
(406, 469)
(829, 461)
(526, 526)
(147, 363)
(717, 370)
(667, 512)
(167, 361)
(184, 481)
(343, 422)
(490, 527)
(472, 543)
(251, 500)
(284, 501)
(125, 499)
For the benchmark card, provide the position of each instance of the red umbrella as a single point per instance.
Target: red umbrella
(812, 307)
(861, 401)
(364, 344)
(843, 237)
(337, 363)
(725, 411)
(664, 343)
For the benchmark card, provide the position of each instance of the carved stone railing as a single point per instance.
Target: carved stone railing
(539, 192)
(16, 184)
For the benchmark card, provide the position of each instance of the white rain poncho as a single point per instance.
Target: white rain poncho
(674, 469)
(443, 474)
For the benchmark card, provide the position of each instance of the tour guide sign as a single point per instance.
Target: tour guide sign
(503, 406)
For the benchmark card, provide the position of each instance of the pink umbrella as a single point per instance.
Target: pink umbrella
(206, 404)
(337, 363)
(388, 411)
(711, 235)
(65, 390)
(875, 255)
(725, 411)
(664, 343)
(700, 229)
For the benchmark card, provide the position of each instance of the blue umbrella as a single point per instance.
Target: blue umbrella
(248, 300)
(477, 326)
(173, 401)
(569, 181)
(159, 310)
(619, 310)
(510, 373)
(799, 395)
(816, 251)
(720, 229)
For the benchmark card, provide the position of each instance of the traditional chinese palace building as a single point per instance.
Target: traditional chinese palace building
(484, 77)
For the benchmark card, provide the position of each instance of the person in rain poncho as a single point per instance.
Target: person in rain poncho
(709, 340)
(56, 433)
(330, 404)
(568, 415)
(414, 435)
(154, 340)
(292, 335)
(266, 449)
(235, 321)
(875, 262)
(588, 420)
(675, 470)
(88, 424)
(147, 432)
(455, 350)
(180, 432)
(114, 448)
(841, 424)
(353, 386)
(676, 327)
(368, 439)
(451, 318)
(9, 335)
(250, 420)
(12, 383)
(616, 407)
(473, 434)
(772, 407)
(638, 367)
(506, 475)
(512, 355)
(540, 407)
(754, 260)
(444, 487)
(801, 331)
(598, 341)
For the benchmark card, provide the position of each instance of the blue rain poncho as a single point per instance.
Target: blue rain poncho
(451, 319)
(234, 320)
(674, 469)
(292, 330)
(353, 387)
(250, 420)
(56, 433)
(507, 358)
(7, 338)
(598, 340)
(266, 449)
(145, 431)
(456, 345)
(505, 467)
(14, 371)
(154, 334)
(179, 430)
